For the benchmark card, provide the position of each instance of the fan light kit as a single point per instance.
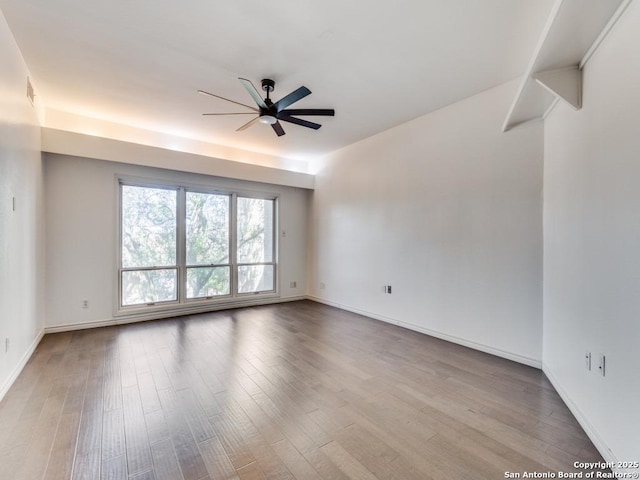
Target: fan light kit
(270, 113)
(268, 119)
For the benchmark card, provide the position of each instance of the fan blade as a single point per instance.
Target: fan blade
(227, 100)
(234, 113)
(299, 121)
(248, 124)
(253, 92)
(327, 112)
(293, 97)
(278, 129)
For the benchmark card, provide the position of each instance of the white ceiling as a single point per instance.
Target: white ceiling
(379, 64)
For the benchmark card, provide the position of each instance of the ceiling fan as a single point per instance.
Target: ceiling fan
(269, 112)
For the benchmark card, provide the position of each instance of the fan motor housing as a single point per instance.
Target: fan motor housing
(268, 85)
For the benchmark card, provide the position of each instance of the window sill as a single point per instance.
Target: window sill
(192, 307)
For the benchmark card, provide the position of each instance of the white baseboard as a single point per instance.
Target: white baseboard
(592, 433)
(531, 362)
(18, 369)
(122, 320)
(80, 326)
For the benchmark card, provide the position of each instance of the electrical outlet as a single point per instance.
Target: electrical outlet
(6, 345)
(322, 286)
(602, 365)
(85, 304)
(293, 284)
(389, 289)
(587, 360)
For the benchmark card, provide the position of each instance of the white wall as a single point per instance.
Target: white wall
(101, 148)
(81, 199)
(592, 244)
(21, 232)
(448, 210)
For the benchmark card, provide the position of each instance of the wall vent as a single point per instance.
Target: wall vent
(30, 94)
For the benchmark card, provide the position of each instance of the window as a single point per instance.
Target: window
(255, 245)
(207, 245)
(181, 245)
(149, 272)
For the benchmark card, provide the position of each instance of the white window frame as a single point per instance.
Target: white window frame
(203, 303)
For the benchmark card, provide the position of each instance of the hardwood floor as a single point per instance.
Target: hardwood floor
(291, 391)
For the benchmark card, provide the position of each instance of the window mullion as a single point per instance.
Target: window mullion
(120, 234)
(275, 232)
(181, 238)
(233, 244)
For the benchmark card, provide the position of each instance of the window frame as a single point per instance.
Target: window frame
(182, 302)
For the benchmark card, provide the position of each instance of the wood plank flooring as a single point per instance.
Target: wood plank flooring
(291, 391)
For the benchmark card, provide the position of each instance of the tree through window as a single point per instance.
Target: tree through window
(255, 245)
